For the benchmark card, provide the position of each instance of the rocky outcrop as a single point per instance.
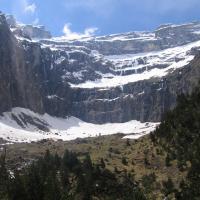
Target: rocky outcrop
(144, 101)
(29, 31)
(35, 31)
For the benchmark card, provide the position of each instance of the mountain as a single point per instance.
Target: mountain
(109, 79)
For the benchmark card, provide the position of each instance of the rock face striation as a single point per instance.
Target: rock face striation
(115, 78)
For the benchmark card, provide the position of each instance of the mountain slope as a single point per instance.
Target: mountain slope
(179, 135)
(108, 79)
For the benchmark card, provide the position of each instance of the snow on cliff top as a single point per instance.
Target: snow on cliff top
(174, 58)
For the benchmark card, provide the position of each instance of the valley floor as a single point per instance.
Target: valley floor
(141, 158)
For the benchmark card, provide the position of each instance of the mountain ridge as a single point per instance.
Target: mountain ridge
(45, 75)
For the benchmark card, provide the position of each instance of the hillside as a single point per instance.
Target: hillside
(164, 164)
(179, 136)
(127, 79)
(143, 160)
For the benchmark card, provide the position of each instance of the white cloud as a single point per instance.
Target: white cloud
(90, 31)
(36, 21)
(29, 8)
(70, 35)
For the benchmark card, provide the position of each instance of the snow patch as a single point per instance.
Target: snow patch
(54, 97)
(68, 128)
(171, 59)
(59, 60)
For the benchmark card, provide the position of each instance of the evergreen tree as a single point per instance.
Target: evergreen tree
(179, 135)
(17, 189)
(4, 177)
(103, 165)
(168, 187)
(52, 187)
(35, 181)
(55, 178)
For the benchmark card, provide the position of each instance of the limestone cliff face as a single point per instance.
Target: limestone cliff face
(18, 77)
(144, 101)
(25, 77)
(46, 76)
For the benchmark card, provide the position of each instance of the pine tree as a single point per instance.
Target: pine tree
(4, 177)
(124, 161)
(52, 187)
(35, 179)
(103, 165)
(18, 190)
(168, 187)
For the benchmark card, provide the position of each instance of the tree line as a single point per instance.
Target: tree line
(66, 178)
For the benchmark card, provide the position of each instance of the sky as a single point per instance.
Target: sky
(77, 18)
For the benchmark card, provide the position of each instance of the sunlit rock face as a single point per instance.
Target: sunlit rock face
(115, 78)
(29, 31)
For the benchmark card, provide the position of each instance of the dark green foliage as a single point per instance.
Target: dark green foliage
(179, 134)
(167, 161)
(103, 165)
(148, 182)
(124, 161)
(168, 187)
(190, 189)
(70, 160)
(146, 162)
(4, 178)
(17, 189)
(55, 178)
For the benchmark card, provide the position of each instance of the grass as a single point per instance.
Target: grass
(141, 158)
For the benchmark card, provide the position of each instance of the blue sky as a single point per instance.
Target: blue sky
(86, 17)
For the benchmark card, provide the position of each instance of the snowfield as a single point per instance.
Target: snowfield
(173, 58)
(65, 129)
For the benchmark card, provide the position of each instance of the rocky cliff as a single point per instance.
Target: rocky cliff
(114, 78)
(25, 76)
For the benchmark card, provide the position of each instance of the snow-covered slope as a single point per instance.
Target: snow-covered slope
(136, 67)
(23, 125)
(99, 62)
(105, 79)
(150, 54)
